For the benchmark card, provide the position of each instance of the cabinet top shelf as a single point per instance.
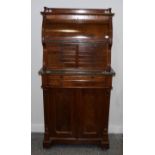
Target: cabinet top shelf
(77, 11)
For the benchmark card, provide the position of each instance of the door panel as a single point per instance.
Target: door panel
(91, 113)
(62, 112)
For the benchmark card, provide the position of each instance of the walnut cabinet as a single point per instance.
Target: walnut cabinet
(76, 75)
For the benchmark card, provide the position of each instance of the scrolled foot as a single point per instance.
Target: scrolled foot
(104, 145)
(47, 144)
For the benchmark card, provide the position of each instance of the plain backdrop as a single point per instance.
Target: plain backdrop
(116, 103)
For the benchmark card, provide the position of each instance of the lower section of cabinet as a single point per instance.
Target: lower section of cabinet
(76, 116)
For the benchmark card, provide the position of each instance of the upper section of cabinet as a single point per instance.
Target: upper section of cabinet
(77, 25)
(77, 39)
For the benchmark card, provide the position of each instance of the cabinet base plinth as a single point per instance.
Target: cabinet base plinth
(75, 141)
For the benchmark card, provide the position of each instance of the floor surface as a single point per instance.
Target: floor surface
(116, 147)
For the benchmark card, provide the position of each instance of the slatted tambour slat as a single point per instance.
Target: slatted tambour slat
(68, 56)
(92, 56)
(61, 56)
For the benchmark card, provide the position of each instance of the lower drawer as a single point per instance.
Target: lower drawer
(75, 81)
(83, 83)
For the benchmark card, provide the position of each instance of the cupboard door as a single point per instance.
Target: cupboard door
(62, 112)
(92, 113)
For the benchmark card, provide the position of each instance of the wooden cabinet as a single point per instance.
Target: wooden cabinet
(76, 75)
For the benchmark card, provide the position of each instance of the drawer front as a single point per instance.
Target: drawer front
(53, 81)
(74, 81)
(81, 77)
(83, 84)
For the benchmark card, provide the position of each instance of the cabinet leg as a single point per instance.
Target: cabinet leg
(105, 141)
(47, 144)
(47, 141)
(105, 145)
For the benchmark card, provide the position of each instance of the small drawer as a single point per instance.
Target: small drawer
(55, 83)
(82, 81)
(83, 84)
(54, 80)
(81, 77)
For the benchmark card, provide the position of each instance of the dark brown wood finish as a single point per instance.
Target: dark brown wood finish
(76, 75)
